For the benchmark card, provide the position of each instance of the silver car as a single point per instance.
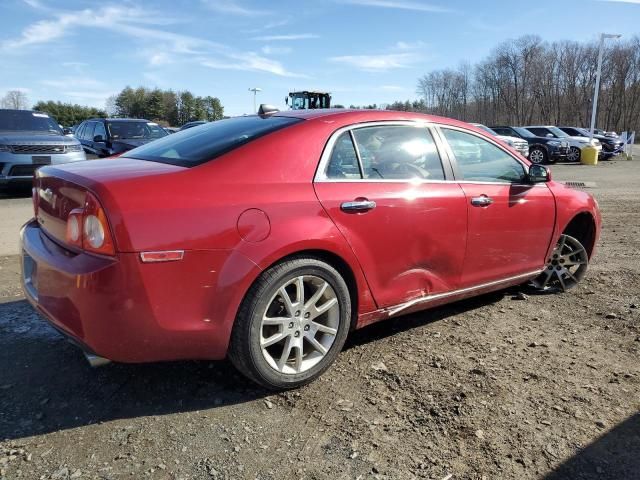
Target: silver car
(29, 140)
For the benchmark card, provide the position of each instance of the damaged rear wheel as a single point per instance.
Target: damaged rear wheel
(566, 266)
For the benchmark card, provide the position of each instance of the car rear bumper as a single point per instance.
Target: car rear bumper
(128, 311)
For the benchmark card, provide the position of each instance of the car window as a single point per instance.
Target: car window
(343, 163)
(540, 132)
(194, 146)
(78, 131)
(502, 131)
(87, 133)
(481, 161)
(100, 130)
(398, 152)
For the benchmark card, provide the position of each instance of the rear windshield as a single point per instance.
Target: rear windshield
(27, 121)
(194, 146)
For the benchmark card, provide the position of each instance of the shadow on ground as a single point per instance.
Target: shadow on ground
(46, 384)
(615, 455)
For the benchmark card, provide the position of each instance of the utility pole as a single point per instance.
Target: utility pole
(255, 90)
(594, 107)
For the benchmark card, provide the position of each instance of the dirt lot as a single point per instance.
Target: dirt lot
(495, 387)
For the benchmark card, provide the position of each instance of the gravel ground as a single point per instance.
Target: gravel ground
(494, 387)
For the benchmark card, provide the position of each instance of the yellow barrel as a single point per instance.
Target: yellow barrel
(589, 156)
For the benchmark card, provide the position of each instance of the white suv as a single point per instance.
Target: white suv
(517, 143)
(29, 140)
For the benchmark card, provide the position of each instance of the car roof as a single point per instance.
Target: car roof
(366, 115)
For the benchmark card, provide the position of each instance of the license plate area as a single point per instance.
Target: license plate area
(41, 160)
(30, 275)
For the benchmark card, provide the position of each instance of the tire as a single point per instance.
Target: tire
(574, 154)
(538, 155)
(313, 339)
(566, 266)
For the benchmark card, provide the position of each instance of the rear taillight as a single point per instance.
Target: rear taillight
(87, 228)
(74, 227)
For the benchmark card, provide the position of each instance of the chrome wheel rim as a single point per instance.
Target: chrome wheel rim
(299, 325)
(573, 155)
(565, 267)
(537, 156)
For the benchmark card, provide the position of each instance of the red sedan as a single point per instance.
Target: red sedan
(268, 238)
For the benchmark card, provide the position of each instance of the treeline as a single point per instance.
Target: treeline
(528, 81)
(68, 114)
(164, 106)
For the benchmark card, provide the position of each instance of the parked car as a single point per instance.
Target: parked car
(611, 146)
(171, 130)
(191, 249)
(541, 149)
(576, 144)
(30, 139)
(599, 131)
(518, 143)
(196, 123)
(105, 137)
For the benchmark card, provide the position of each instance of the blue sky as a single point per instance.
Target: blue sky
(363, 51)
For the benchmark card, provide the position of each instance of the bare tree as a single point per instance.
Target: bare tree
(528, 81)
(15, 99)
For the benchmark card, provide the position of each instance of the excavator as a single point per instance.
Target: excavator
(308, 100)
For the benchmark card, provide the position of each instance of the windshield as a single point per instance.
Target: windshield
(485, 128)
(557, 132)
(194, 146)
(135, 130)
(523, 132)
(27, 121)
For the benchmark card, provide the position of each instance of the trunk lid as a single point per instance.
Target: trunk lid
(60, 189)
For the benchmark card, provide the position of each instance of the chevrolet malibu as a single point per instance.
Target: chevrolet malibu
(267, 238)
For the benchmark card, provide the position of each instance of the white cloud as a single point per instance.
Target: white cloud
(293, 36)
(401, 55)
(251, 62)
(110, 18)
(73, 82)
(161, 47)
(378, 63)
(233, 8)
(399, 5)
(271, 50)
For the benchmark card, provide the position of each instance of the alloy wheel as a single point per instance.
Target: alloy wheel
(565, 267)
(536, 156)
(300, 324)
(574, 154)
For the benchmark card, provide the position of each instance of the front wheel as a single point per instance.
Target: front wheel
(574, 154)
(292, 324)
(565, 267)
(538, 156)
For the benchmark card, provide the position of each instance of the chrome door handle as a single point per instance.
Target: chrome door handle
(358, 206)
(481, 201)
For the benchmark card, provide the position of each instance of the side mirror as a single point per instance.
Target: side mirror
(549, 135)
(66, 131)
(98, 139)
(539, 174)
